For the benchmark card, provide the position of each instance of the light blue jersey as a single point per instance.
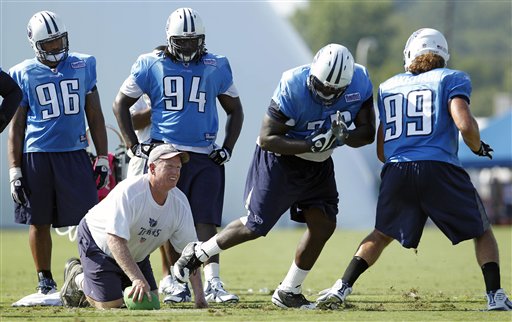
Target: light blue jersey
(306, 114)
(414, 112)
(56, 102)
(183, 96)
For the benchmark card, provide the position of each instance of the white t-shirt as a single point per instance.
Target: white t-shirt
(142, 103)
(130, 212)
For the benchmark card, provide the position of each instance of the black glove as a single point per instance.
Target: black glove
(18, 191)
(142, 150)
(101, 172)
(484, 151)
(221, 155)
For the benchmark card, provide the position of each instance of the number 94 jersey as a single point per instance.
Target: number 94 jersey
(413, 110)
(183, 96)
(56, 102)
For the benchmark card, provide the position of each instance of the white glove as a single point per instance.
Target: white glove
(18, 190)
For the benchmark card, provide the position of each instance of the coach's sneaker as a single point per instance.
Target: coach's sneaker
(498, 301)
(70, 294)
(214, 292)
(46, 286)
(334, 296)
(290, 300)
(177, 293)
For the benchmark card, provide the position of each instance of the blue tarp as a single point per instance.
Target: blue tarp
(498, 134)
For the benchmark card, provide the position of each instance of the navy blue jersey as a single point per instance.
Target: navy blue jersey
(413, 110)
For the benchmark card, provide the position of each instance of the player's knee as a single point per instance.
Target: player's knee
(381, 238)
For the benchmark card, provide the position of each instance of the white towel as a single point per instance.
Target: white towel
(38, 299)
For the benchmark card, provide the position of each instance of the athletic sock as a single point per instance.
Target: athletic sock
(491, 273)
(294, 279)
(356, 267)
(208, 249)
(211, 271)
(79, 279)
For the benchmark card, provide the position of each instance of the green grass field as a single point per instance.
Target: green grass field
(438, 283)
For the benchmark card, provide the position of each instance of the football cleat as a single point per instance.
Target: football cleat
(214, 292)
(46, 286)
(290, 300)
(177, 293)
(498, 301)
(334, 297)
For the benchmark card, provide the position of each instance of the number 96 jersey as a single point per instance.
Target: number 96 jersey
(183, 96)
(55, 99)
(413, 110)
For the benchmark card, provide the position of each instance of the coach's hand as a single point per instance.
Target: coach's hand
(484, 151)
(221, 155)
(18, 190)
(101, 172)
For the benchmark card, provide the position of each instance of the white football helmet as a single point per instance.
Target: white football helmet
(331, 73)
(185, 35)
(424, 41)
(44, 27)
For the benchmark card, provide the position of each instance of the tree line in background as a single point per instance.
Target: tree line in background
(479, 35)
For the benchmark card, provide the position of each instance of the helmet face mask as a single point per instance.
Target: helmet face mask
(185, 35)
(48, 37)
(186, 49)
(330, 73)
(54, 50)
(424, 41)
(328, 94)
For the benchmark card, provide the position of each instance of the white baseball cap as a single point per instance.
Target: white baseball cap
(167, 151)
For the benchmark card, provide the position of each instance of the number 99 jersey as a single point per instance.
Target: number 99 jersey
(413, 110)
(55, 99)
(183, 96)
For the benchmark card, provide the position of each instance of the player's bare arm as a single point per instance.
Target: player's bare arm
(96, 122)
(380, 143)
(17, 137)
(141, 119)
(364, 133)
(465, 122)
(272, 138)
(235, 118)
(121, 110)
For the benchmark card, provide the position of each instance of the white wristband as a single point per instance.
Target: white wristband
(15, 174)
(102, 162)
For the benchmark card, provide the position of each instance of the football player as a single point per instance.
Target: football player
(421, 114)
(309, 115)
(52, 179)
(11, 94)
(183, 82)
